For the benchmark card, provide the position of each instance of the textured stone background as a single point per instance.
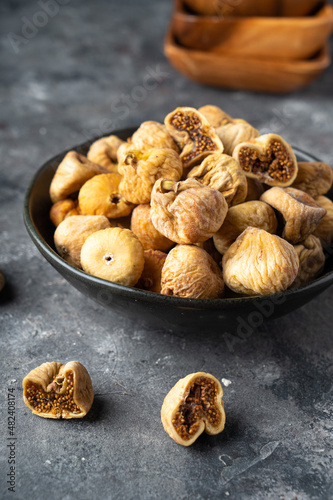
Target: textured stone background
(79, 76)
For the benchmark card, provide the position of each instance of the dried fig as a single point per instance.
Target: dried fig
(104, 152)
(187, 211)
(73, 232)
(269, 158)
(54, 390)
(259, 263)
(193, 134)
(141, 170)
(234, 133)
(63, 209)
(152, 135)
(151, 275)
(215, 115)
(189, 271)
(222, 172)
(324, 230)
(192, 406)
(252, 213)
(71, 174)
(311, 260)
(100, 196)
(144, 229)
(254, 189)
(314, 178)
(300, 211)
(113, 254)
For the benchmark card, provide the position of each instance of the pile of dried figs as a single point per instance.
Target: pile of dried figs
(196, 207)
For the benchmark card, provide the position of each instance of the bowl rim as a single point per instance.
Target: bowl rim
(135, 293)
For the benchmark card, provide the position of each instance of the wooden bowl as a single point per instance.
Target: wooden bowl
(269, 37)
(245, 73)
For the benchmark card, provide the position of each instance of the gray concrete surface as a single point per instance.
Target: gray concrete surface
(83, 72)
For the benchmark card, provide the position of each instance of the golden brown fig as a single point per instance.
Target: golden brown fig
(269, 159)
(234, 133)
(104, 152)
(252, 213)
(190, 272)
(54, 390)
(311, 260)
(254, 189)
(152, 135)
(63, 209)
(324, 230)
(150, 279)
(142, 226)
(71, 174)
(73, 232)
(187, 211)
(314, 178)
(100, 196)
(215, 115)
(141, 170)
(300, 211)
(113, 254)
(222, 172)
(193, 134)
(192, 406)
(259, 263)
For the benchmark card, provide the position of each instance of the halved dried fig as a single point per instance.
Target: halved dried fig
(222, 172)
(192, 406)
(193, 134)
(151, 275)
(189, 271)
(141, 170)
(152, 135)
(324, 230)
(311, 260)
(300, 211)
(113, 254)
(63, 209)
(54, 390)
(314, 178)
(251, 213)
(187, 211)
(259, 263)
(104, 152)
(269, 158)
(71, 174)
(100, 196)
(142, 226)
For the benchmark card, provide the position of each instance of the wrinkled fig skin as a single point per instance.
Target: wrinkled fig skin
(113, 254)
(192, 406)
(190, 272)
(193, 134)
(57, 398)
(63, 209)
(324, 230)
(144, 229)
(311, 260)
(222, 172)
(259, 263)
(186, 211)
(314, 178)
(152, 135)
(104, 152)
(215, 115)
(141, 170)
(73, 232)
(100, 196)
(252, 213)
(254, 189)
(300, 211)
(234, 133)
(269, 159)
(150, 279)
(71, 174)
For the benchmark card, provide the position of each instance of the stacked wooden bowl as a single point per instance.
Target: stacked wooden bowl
(261, 45)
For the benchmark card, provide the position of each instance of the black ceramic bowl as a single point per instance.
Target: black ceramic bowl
(234, 315)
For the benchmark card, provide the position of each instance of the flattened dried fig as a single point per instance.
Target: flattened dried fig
(54, 390)
(324, 230)
(100, 196)
(222, 172)
(113, 254)
(187, 211)
(104, 152)
(73, 232)
(141, 170)
(252, 213)
(300, 211)
(193, 134)
(142, 226)
(269, 158)
(152, 135)
(189, 271)
(63, 209)
(151, 275)
(259, 263)
(311, 260)
(314, 178)
(254, 189)
(192, 406)
(71, 174)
